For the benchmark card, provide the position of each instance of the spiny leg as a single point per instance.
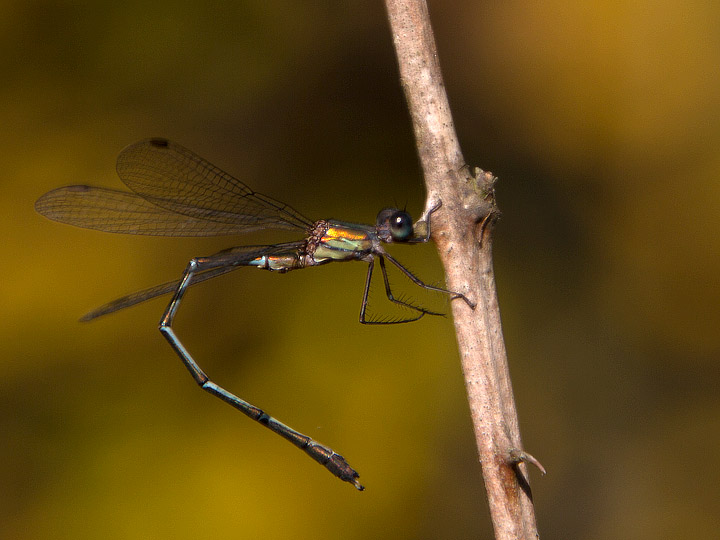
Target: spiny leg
(324, 455)
(422, 284)
(390, 296)
(366, 291)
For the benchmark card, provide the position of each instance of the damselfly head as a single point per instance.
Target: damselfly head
(394, 225)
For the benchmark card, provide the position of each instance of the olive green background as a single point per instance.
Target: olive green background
(602, 121)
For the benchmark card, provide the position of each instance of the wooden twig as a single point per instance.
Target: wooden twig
(462, 230)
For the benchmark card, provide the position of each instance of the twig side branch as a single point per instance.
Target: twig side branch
(462, 230)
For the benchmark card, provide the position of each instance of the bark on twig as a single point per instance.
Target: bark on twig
(462, 230)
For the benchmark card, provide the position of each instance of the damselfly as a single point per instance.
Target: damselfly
(176, 193)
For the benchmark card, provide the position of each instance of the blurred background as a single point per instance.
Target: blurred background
(602, 121)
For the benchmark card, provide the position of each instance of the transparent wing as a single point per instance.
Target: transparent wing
(152, 292)
(174, 193)
(170, 176)
(231, 259)
(115, 211)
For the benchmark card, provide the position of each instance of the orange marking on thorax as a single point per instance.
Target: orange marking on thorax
(334, 232)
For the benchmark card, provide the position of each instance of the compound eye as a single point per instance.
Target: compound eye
(401, 226)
